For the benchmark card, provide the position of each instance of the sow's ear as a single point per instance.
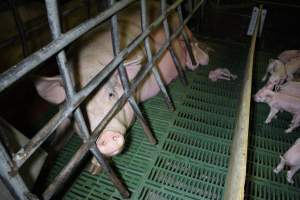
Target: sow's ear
(51, 89)
(133, 66)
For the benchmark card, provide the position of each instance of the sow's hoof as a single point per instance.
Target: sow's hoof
(94, 169)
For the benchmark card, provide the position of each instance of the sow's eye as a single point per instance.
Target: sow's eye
(111, 94)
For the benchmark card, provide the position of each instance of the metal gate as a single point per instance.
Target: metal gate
(10, 164)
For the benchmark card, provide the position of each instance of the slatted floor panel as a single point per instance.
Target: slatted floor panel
(192, 157)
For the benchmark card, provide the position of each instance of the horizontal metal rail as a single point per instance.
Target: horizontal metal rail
(236, 176)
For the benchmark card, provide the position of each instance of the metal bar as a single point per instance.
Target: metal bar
(202, 16)
(57, 184)
(277, 3)
(236, 176)
(14, 184)
(81, 152)
(171, 50)
(13, 74)
(29, 63)
(186, 38)
(20, 27)
(42, 21)
(83, 132)
(24, 153)
(124, 78)
(53, 17)
(78, 157)
(144, 24)
(88, 7)
(112, 175)
(4, 137)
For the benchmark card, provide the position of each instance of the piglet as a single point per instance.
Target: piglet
(291, 158)
(283, 58)
(279, 101)
(290, 88)
(288, 55)
(221, 73)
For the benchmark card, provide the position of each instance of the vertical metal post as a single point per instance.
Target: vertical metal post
(124, 78)
(88, 8)
(52, 11)
(13, 182)
(61, 17)
(144, 24)
(186, 37)
(171, 50)
(202, 15)
(236, 175)
(20, 27)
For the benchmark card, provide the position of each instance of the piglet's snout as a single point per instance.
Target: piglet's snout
(110, 143)
(259, 98)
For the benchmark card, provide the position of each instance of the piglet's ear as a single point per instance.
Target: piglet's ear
(51, 89)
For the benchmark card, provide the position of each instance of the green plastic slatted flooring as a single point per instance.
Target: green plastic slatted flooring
(192, 157)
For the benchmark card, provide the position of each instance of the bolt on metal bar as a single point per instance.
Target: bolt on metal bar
(186, 38)
(24, 153)
(171, 50)
(236, 176)
(124, 78)
(83, 132)
(59, 180)
(144, 24)
(14, 184)
(20, 27)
